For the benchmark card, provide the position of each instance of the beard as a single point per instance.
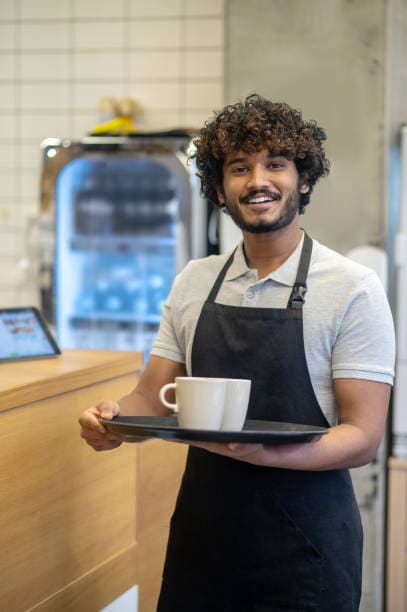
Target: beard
(261, 226)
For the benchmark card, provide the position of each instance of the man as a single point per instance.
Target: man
(269, 528)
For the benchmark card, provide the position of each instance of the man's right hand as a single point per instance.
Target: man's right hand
(93, 432)
(142, 401)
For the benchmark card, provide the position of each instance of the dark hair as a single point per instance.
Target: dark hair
(252, 125)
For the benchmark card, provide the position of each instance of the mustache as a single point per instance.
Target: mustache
(272, 195)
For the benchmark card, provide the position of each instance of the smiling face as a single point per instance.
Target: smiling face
(261, 191)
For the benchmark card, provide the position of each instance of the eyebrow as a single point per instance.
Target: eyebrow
(236, 160)
(243, 159)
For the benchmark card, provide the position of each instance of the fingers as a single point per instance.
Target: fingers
(98, 443)
(93, 432)
(244, 451)
(108, 409)
(89, 421)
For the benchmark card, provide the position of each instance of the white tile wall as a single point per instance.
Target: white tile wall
(7, 97)
(156, 65)
(8, 184)
(203, 94)
(204, 64)
(7, 10)
(96, 65)
(8, 152)
(204, 33)
(8, 122)
(158, 8)
(50, 35)
(102, 9)
(209, 7)
(99, 35)
(7, 36)
(27, 155)
(45, 97)
(156, 96)
(156, 33)
(57, 58)
(7, 65)
(48, 67)
(43, 9)
(34, 127)
(85, 93)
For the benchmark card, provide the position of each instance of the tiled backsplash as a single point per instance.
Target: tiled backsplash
(57, 58)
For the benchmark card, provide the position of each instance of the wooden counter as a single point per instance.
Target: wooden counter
(77, 528)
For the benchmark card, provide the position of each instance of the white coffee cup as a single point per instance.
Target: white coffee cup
(199, 402)
(236, 403)
(209, 403)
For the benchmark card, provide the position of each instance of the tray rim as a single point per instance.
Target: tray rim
(173, 432)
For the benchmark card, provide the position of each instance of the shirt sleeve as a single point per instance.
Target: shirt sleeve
(365, 343)
(167, 344)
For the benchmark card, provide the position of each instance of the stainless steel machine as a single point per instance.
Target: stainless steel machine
(120, 216)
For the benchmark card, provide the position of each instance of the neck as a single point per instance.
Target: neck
(267, 252)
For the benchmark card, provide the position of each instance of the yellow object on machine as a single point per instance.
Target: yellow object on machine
(117, 116)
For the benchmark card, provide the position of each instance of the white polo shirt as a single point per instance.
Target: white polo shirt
(348, 326)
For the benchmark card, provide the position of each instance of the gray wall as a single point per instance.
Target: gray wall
(327, 58)
(395, 116)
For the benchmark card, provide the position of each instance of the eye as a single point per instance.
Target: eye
(239, 170)
(277, 165)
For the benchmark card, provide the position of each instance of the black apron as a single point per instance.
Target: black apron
(245, 538)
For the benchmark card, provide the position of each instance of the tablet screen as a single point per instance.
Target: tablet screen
(24, 335)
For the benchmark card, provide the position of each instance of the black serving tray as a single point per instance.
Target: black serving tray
(254, 431)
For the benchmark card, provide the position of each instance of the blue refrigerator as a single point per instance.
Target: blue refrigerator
(121, 216)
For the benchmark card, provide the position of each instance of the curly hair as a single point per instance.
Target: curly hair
(255, 124)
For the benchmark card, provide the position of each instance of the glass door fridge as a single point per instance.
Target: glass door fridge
(127, 216)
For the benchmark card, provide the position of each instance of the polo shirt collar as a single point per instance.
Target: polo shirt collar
(285, 274)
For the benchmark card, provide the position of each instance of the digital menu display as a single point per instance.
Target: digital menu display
(24, 335)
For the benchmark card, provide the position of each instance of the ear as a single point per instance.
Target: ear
(221, 195)
(304, 187)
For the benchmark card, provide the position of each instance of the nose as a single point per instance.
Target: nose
(258, 177)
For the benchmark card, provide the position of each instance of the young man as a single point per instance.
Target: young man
(269, 528)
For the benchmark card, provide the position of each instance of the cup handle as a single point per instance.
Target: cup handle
(162, 393)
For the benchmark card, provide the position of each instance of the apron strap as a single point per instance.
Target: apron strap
(214, 291)
(297, 297)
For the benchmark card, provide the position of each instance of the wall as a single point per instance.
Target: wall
(327, 60)
(57, 58)
(396, 115)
